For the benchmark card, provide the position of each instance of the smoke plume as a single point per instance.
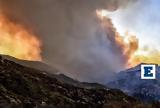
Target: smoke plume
(73, 38)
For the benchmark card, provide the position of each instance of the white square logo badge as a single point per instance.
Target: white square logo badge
(148, 71)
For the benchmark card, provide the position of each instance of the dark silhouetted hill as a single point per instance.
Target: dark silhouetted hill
(24, 87)
(131, 83)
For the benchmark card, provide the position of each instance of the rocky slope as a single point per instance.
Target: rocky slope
(23, 87)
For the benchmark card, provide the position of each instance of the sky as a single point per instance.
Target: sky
(142, 19)
(73, 39)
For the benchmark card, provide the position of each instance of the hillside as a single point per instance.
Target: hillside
(130, 82)
(32, 64)
(23, 87)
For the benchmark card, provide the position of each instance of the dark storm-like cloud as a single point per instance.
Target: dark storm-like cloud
(73, 39)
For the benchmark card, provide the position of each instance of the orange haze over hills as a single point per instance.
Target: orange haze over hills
(17, 41)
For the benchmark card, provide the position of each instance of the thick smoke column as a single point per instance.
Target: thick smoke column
(73, 38)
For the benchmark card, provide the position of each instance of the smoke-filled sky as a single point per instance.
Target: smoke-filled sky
(73, 39)
(143, 19)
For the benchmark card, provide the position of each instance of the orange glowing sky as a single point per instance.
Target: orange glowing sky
(16, 41)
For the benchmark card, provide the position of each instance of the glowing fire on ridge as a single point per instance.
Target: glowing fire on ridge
(16, 41)
(130, 46)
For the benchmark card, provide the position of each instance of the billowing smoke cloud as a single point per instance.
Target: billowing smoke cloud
(73, 39)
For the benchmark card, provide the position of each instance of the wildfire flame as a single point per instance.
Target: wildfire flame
(17, 41)
(130, 46)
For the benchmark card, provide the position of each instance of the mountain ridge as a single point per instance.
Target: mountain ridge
(130, 82)
(24, 87)
(32, 64)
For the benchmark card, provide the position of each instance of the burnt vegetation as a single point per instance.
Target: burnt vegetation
(23, 87)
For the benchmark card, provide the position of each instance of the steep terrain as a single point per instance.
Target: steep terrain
(32, 64)
(130, 82)
(23, 87)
